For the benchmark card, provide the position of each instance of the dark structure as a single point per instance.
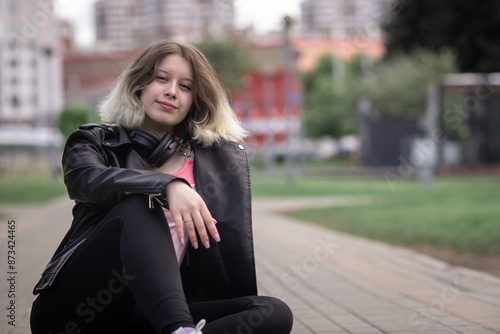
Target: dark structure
(387, 141)
(471, 119)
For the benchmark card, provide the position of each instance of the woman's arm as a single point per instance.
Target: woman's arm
(92, 176)
(93, 179)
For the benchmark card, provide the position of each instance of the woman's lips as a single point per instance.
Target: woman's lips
(166, 105)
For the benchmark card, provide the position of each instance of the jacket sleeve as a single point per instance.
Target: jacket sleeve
(98, 179)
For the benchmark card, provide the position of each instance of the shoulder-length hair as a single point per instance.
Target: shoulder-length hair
(210, 119)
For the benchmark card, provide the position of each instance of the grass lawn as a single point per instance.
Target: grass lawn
(461, 213)
(30, 190)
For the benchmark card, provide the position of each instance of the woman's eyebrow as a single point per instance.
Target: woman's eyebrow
(166, 72)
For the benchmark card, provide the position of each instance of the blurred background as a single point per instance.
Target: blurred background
(397, 99)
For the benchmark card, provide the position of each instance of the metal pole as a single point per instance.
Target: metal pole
(47, 121)
(286, 106)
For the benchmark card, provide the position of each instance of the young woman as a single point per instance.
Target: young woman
(161, 237)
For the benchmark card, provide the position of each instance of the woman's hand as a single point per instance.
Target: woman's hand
(188, 208)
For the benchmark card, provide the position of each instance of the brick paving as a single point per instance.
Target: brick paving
(334, 283)
(39, 229)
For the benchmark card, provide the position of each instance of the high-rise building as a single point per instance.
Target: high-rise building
(343, 18)
(31, 63)
(135, 23)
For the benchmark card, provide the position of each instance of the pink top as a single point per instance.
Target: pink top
(186, 172)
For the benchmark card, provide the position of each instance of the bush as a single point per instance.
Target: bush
(74, 115)
(398, 86)
(330, 102)
(227, 59)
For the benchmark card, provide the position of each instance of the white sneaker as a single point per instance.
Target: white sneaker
(191, 330)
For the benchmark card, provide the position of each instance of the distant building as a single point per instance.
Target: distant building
(343, 18)
(311, 48)
(30, 87)
(269, 101)
(127, 24)
(262, 103)
(90, 76)
(31, 63)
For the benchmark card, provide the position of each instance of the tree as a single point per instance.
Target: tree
(394, 87)
(468, 27)
(330, 101)
(398, 86)
(227, 60)
(74, 115)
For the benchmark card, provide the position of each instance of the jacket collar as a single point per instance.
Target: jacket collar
(116, 136)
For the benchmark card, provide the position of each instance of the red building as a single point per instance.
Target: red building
(260, 102)
(263, 109)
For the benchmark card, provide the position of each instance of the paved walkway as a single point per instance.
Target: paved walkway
(333, 282)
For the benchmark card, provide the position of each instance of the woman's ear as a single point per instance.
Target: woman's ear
(137, 94)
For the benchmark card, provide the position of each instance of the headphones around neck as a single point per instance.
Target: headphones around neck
(151, 148)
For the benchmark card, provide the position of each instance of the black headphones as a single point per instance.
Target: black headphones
(151, 148)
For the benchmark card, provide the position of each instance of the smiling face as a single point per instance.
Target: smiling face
(168, 98)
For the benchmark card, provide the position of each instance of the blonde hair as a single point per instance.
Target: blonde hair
(211, 118)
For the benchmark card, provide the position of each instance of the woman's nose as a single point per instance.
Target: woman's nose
(170, 90)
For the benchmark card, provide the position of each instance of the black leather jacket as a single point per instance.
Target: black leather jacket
(101, 168)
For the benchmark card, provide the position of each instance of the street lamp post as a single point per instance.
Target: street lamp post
(286, 107)
(47, 120)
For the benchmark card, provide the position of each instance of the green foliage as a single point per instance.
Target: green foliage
(325, 110)
(227, 60)
(330, 99)
(74, 115)
(468, 27)
(395, 87)
(398, 86)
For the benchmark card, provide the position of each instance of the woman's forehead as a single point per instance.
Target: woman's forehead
(175, 64)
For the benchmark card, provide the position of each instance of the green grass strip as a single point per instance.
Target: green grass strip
(30, 190)
(459, 213)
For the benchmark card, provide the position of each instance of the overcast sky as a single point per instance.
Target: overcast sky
(263, 15)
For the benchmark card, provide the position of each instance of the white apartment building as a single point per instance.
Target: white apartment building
(136, 23)
(30, 64)
(344, 18)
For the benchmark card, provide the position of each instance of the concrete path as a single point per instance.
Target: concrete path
(336, 283)
(333, 282)
(38, 231)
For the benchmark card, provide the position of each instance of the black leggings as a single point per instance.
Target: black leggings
(125, 279)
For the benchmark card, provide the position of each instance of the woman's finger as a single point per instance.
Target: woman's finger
(179, 226)
(202, 231)
(191, 231)
(210, 222)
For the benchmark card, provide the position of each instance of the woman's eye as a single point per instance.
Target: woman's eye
(161, 78)
(185, 87)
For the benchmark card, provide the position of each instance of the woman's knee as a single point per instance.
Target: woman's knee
(275, 313)
(283, 313)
